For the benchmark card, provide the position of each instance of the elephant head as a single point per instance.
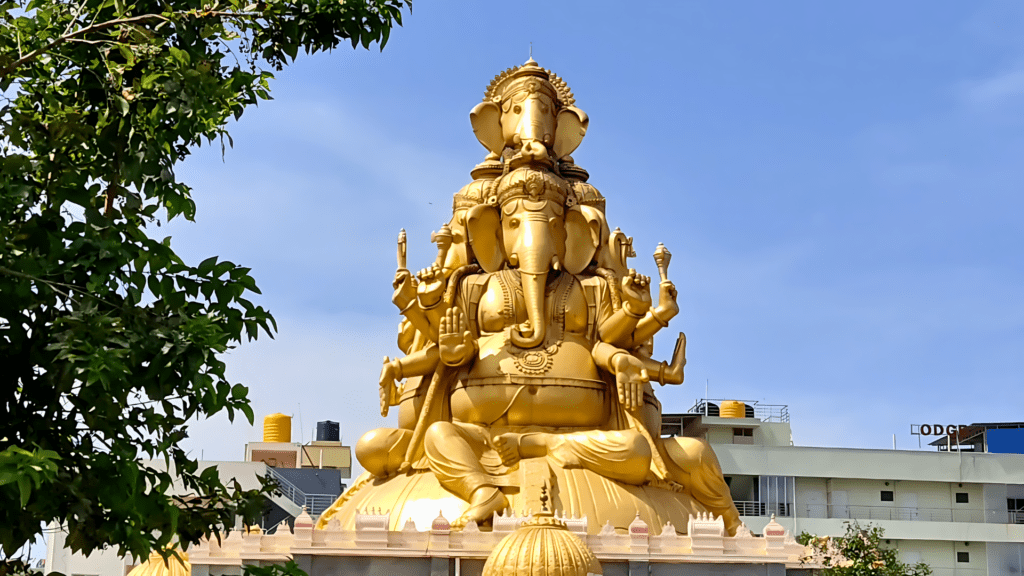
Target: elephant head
(470, 196)
(527, 226)
(530, 110)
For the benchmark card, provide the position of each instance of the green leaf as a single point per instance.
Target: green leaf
(24, 489)
(121, 104)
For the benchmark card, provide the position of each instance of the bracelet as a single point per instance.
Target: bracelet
(432, 306)
(626, 311)
(662, 323)
(411, 303)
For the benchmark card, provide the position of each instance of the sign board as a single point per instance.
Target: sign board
(935, 429)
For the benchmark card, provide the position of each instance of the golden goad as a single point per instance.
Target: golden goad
(528, 347)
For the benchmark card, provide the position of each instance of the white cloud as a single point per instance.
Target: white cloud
(996, 90)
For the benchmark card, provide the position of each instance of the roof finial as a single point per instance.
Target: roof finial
(531, 50)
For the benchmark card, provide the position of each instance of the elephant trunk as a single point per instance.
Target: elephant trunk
(535, 253)
(535, 129)
(533, 294)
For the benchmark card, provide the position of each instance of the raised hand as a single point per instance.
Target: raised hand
(454, 340)
(431, 285)
(389, 393)
(668, 307)
(405, 288)
(630, 377)
(636, 293)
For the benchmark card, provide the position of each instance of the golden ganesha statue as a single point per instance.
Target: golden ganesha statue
(528, 348)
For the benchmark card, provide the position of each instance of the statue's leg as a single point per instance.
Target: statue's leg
(454, 452)
(693, 464)
(382, 451)
(623, 455)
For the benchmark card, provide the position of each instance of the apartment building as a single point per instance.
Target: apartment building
(959, 510)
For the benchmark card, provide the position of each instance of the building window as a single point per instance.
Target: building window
(743, 432)
(963, 556)
(961, 498)
(887, 496)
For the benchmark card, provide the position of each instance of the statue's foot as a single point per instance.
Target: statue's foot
(482, 505)
(507, 447)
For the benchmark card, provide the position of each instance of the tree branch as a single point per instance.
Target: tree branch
(80, 32)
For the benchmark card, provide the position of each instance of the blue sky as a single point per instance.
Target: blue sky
(840, 185)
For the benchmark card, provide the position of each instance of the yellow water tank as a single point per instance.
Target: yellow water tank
(732, 409)
(277, 428)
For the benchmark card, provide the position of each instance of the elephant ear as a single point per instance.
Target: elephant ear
(483, 226)
(486, 120)
(585, 229)
(570, 128)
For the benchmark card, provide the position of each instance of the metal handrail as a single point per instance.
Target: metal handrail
(763, 412)
(755, 508)
(905, 513)
(909, 513)
(315, 503)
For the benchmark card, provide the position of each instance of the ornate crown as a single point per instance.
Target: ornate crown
(586, 195)
(472, 194)
(532, 184)
(518, 78)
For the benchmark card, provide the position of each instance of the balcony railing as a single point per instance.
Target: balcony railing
(754, 508)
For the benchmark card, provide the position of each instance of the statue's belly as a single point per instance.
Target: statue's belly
(557, 387)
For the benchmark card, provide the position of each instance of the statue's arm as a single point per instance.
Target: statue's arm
(618, 328)
(406, 300)
(657, 317)
(629, 371)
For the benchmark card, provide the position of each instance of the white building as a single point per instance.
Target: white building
(308, 475)
(961, 512)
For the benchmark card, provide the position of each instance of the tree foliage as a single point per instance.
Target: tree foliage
(858, 553)
(109, 341)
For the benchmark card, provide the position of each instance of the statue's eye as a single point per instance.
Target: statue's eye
(544, 108)
(517, 109)
(513, 223)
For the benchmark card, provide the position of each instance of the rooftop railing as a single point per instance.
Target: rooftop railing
(763, 412)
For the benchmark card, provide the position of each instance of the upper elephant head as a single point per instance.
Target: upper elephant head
(530, 110)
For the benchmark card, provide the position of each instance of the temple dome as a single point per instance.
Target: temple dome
(541, 547)
(157, 566)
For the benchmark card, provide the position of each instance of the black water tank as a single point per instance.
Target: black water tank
(707, 408)
(327, 431)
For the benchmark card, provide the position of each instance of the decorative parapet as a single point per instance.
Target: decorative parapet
(705, 540)
(639, 535)
(669, 543)
(372, 528)
(707, 534)
(504, 523)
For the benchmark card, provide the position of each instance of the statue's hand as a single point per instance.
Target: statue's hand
(667, 305)
(454, 340)
(636, 293)
(431, 286)
(405, 288)
(630, 377)
(388, 388)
